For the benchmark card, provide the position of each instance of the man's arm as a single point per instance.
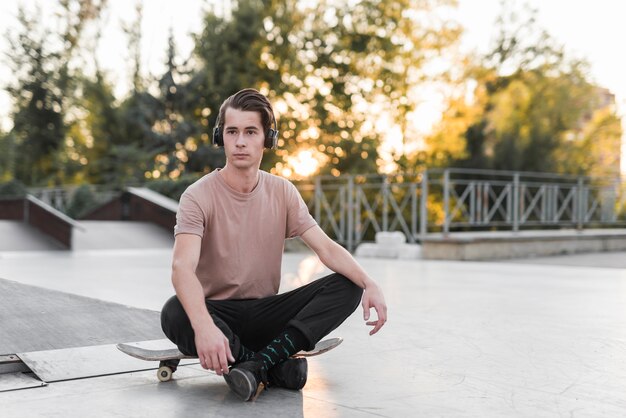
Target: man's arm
(339, 260)
(211, 344)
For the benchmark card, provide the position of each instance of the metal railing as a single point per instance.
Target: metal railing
(351, 209)
(61, 197)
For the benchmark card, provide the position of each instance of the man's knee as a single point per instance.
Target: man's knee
(351, 293)
(172, 312)
(173, 317)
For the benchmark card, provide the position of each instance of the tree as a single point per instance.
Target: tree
(529, 100)
(595, 149)
(175, 127)
(7, 157)
(38, 128)
(228, 56)
(334, 79)
(43, 63)
(119, 141)
(104, 131)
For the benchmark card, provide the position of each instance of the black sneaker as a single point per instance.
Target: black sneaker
(247, 379)
(290, 374)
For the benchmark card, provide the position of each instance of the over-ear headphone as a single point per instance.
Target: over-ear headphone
(271, 136)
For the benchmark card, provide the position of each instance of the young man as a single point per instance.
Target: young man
(230, 231)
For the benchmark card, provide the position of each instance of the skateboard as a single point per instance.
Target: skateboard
(169, 356)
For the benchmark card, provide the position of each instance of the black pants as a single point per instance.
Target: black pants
(314, 309)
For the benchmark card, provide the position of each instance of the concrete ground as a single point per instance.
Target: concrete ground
(464, 339)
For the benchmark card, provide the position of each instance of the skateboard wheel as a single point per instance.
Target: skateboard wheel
(164, 373)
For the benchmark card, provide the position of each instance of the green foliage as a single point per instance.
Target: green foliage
(175, 130)
(330, 76)
(530, 117)
(7, 156)
(103, 123)
(83, 200)
(13, 188)
(342, 81)
(38, 129)
(596, 150)
(43, 90)
(529, 106)
(228, 53)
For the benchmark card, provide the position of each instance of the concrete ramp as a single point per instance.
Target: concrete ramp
(89, 235)
(20, 236)
(101, 235)
(35, 319)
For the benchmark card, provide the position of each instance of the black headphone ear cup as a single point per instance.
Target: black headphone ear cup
(217, 137)
(271, 138)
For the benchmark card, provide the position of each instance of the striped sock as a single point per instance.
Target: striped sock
(286, 344)
(244, 354)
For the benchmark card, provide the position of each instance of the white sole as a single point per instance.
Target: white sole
(239, 382)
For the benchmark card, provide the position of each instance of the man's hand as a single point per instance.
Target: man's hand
(373, 298)
(213, 349)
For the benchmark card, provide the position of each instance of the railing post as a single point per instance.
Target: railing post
(554, 206)
(614, 195)
(516, 202)
(485, 199)
(581, 204)
(473, 218)
(446, 201)
(318, 200)
(386, 203)
(343, 207)
(350, 198)
(357, 221)
(543, 190)
(477, 189)
(423, 207)
(413, 191)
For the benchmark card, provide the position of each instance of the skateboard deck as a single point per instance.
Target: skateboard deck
(169, 356)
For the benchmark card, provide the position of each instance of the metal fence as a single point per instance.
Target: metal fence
(60, 198)
(351, 209)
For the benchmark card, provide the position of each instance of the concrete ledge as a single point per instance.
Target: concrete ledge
(522, 244)
(389, 245)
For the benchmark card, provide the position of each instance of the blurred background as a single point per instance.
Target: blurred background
(118, 93)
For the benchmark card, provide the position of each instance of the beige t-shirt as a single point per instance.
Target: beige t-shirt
(243, 234)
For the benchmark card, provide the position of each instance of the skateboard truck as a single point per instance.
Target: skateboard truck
(167, 369)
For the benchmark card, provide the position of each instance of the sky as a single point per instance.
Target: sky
(591, 30)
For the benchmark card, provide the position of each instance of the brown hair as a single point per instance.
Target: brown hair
(248, 100)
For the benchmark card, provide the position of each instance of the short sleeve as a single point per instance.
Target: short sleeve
(189, 217)
(299, 220)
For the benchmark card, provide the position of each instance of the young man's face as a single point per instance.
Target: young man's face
(243, 138)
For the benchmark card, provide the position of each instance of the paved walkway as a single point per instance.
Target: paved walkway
(605, 260)
(464, 339)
